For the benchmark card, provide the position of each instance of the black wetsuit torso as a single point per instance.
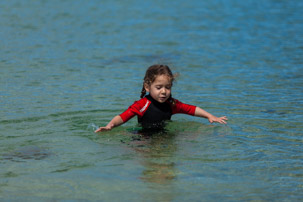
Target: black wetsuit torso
(156, 114)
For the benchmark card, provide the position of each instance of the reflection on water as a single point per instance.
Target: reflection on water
(156, 153)
(161, 173)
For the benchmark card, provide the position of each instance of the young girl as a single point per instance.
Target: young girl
(158, 106)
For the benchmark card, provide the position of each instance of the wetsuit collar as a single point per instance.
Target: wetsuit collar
(155, 102)
(149, 97)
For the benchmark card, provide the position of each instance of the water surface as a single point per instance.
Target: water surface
(67, 67)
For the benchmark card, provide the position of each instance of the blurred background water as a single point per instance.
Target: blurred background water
(67, 67)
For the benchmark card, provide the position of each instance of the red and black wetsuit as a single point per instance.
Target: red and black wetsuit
(152, 114)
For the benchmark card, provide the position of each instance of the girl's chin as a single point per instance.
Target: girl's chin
(162, 100)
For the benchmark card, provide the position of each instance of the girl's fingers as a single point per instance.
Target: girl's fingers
(223, 119)
(100, 129)
(103, 129)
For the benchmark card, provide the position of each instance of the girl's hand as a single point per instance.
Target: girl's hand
(116, 121)
(106, 128)
(101, 129)
(221, 120)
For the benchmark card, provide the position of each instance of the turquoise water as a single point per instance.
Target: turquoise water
(67, 67)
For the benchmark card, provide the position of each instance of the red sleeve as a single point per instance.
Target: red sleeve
(180, 107)
(138, 108)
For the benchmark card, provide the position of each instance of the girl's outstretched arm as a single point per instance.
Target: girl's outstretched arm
(211, 118)
(116, 121)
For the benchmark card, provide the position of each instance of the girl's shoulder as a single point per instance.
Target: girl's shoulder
(180, 107)
(141, 105)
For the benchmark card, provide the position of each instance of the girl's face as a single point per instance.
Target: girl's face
(160, 89)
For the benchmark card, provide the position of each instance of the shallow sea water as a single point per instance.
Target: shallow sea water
(67, 67)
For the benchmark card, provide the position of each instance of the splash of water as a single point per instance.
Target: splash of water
(92, 126)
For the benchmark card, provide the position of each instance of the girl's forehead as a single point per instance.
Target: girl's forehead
(163, 79)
